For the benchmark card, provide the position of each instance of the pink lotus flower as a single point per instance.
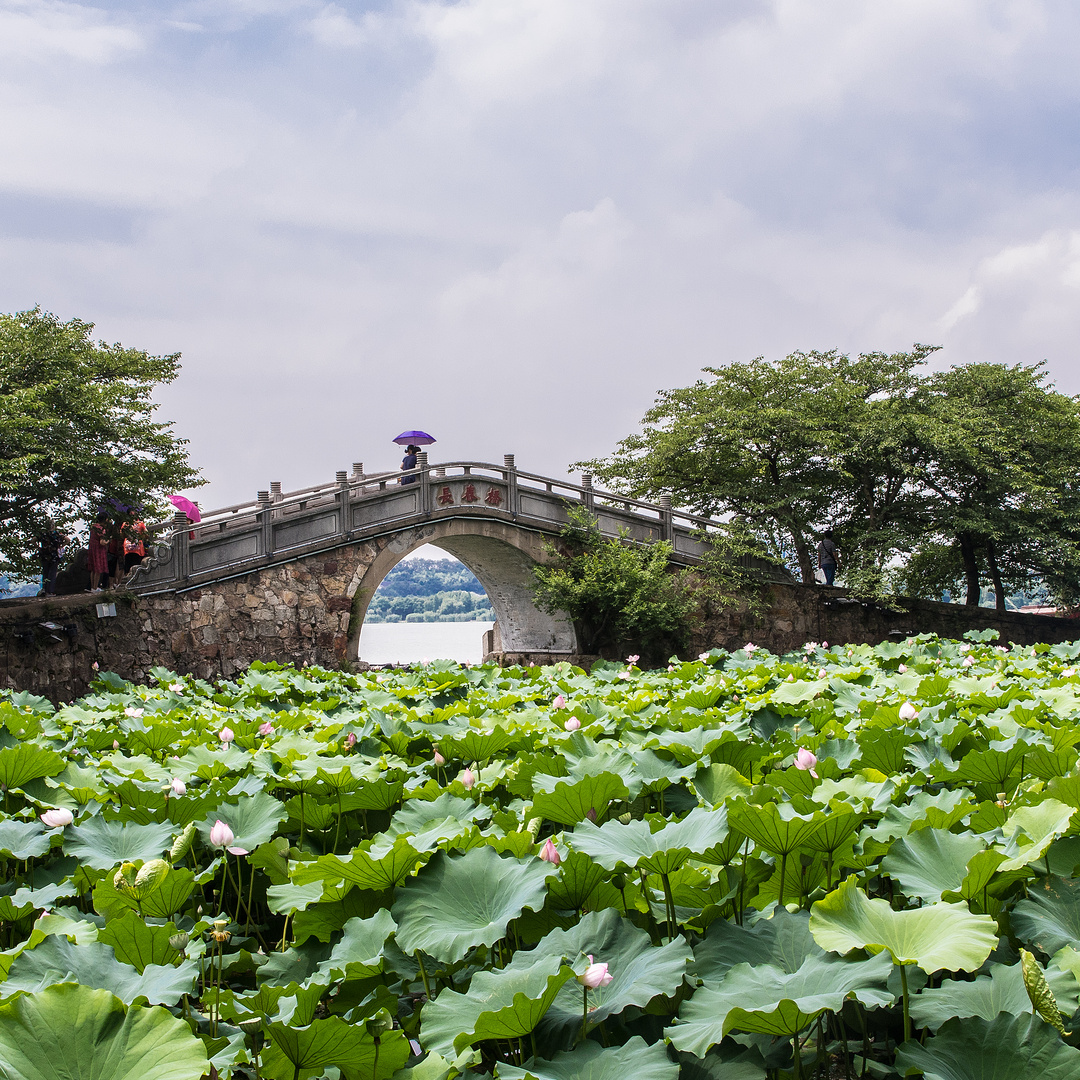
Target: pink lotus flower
(821, 673)
(94, 665)
(438, 758)
(176, 688)
(633, 658)
(969, 661)
(115, 745)
(221, 836)
(350, 739)
(550, 854)
(58, 818)
(704, 657)
(178, 786)
(810, 646)
(750, 647)
(671, 667)
(559, 702)
(226, 735)
(265, 728)
(133, 713)
(468, 778)
(572, 724)
(806, 761)
(595, 975)
(902, 669)
(908, 711)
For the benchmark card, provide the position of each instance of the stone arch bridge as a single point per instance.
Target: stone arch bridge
(289, 576)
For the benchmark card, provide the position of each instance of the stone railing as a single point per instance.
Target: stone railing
(281, 526)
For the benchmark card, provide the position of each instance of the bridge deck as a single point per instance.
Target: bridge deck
(281, 527)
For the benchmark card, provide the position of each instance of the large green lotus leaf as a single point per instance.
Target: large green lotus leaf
(568, 801)
(931, 861)
(640, 971)
(634, 1059)
(940, 811)
(163, 903)
(767, 1000)
(75, 1033)
(578, 876)
(1005, 1048)
(25, 762)
(1049, 918)
(94, 964)
(23, 839)
(1003, 991)
(1031, 829)
(136, 943)
(991, 767)
(359, 952)
(380, 794)
(935, 936)
(306, 1051)
(253, 820)
(457, 903)
(101, 844)
(638, 845)
(499, 1005)
(475, 745)
(429, 824)
(717, 783)
(368, 867)
(775, 827)
(784, 941)
(436, 1067)
(831, 834)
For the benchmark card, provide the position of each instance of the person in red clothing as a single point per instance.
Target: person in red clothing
(135, 537)
(98, 557)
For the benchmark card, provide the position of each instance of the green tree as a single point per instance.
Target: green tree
(788, 447)
(77, 428)
(617, 594)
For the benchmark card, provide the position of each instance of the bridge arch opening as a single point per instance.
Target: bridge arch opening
(501, 557)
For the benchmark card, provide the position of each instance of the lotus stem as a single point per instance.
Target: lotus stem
(337, 831)
(907, 1015)
(669, 901)
(797, 1055)
(423, 974)
(783, 872)
(584, 1011)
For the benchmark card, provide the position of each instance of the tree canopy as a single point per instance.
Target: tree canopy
(77, 431)
(969, 474)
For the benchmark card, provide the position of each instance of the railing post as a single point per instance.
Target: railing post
(181, 545)
(264, 515)
(343, 502)
(422, 479)
(275, 491)
(667, 531)
(511, 485)
(588, 498)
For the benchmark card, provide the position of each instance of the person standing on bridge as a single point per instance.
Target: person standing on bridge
(53, 542)
(409, 462)
(828, 556)
(97, 559)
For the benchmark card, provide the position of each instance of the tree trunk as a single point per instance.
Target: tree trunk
(995, 575)
(971, 570)
(806, 564)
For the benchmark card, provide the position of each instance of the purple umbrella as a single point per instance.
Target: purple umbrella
(418, 438)
(187, 506)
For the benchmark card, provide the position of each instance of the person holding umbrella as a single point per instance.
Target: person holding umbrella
(412, 441)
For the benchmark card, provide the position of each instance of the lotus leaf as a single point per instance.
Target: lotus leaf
(101, 844)
(136, 943)
(784, 941)
(359, 952)
(589, 1061)
(306, 1051)
(1005, 1048)
(763, 998)
(23, 839)
(25, 762)
(1049, 918)
(568, 801)
(43, 1034)
(253, 820)
(930, 862)
(457, 903)
(935, 936)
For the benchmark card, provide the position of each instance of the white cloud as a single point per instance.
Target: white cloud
(39, 30)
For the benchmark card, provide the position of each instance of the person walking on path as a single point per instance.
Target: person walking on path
(53, 542)
(828, 556)
(97, 560)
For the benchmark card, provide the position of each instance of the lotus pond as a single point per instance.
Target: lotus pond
(841, 862)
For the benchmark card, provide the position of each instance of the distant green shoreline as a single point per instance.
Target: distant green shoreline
(429, 590)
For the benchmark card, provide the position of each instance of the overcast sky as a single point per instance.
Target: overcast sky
(510, 222)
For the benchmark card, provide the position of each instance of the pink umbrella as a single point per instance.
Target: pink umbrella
(187, 506)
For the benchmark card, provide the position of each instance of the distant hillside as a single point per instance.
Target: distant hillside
(430, 590)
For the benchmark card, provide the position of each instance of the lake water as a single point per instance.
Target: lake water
(405, 642)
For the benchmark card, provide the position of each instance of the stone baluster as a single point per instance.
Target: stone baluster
(422, 480)
(666, 528)
(275, 491)
(510, 472)
(588, 498)
(264, 518)
(345, 524)
(181, 541)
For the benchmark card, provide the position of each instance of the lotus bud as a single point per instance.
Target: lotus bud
(591, 814)
(468, 778)
(806, 761)
(221, 836)
(572, 724)
(179, 941)
(671, 667)
(550, 854)
(58, 818)
(559, 702)
(178, 786)
(595, 975)
(438, 758)
(969, 661)
(908, 711)
(115, 745)
(94, 665)
(226, 735)
(824, 644)
(182, 844)
(350, 740)
(264, 729)
(902, 669)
